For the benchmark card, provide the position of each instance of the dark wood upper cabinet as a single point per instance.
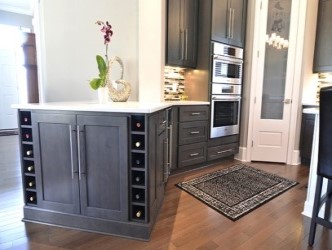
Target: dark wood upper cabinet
(323, 46)
(182, 19)
(229, 21)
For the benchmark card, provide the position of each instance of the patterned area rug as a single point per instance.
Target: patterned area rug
(237, 190)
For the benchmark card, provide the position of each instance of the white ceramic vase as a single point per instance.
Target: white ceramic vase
(120, 90)
(103, 94)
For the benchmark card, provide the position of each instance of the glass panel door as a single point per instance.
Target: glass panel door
(276, 53)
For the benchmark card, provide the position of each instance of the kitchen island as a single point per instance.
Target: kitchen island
(95, 167)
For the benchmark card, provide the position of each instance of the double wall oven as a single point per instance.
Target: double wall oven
(226, 85)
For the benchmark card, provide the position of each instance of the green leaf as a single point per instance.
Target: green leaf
(101, 65)
(95, 83)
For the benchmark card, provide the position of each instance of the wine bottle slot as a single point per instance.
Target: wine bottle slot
(137, 196)
(31, 198)
(28, 152)
(138, 162)
(138, 214)
(30, 168)
(137, 179)
(137, 144)
(138, 124)
(27, 136)
(25, 119)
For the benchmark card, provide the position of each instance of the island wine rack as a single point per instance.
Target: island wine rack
(138, 170)
(27, 158)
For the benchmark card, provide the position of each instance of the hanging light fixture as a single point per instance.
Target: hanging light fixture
(276, 41)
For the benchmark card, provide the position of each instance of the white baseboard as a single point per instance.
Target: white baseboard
(241, 155)
(296, 160)
(307, 210)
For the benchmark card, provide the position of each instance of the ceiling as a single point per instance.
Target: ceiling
(17, 6)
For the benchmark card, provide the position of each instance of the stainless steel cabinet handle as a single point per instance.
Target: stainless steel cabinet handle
(193, 154)
(233, 14)
(194, 132)
(224, 151)
(186, 44)
(195, 113)
(170, 148)
(182, 44)
(229, 23)
(166, 163)
(71, 151)
(79, 153)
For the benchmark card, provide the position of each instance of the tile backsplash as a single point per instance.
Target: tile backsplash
(324, 80)
(174, 79)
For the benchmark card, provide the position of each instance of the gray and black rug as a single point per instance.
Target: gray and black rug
(237, 190)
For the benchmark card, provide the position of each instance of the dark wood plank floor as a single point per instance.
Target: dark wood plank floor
(183, 222)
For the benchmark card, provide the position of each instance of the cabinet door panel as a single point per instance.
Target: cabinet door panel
(182, 33)
(228, 21)
(55, 159)
(157, 162)
(174, 36)
(323, 46)
(104, 166)
(238, 22)
(190, 14)
(220, 21)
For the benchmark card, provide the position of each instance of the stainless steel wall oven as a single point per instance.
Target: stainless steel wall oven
(226, 85)
(225, 115)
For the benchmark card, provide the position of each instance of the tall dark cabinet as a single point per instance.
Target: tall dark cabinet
(182, 18)
(323, 46)
(228, 21)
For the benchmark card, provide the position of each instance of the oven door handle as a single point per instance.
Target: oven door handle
(226, 99)
(230, 60)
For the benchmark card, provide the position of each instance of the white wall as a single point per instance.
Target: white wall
(14, 19)
(309, 79)
(152, 26)
(70, 40)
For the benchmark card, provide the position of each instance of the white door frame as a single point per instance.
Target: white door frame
(298, 44)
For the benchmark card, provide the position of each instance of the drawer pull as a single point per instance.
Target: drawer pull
(225, 151)
(195, 113)
(194, 154)
(194, 132)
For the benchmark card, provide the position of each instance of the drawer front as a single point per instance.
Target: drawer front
(193, 113)
(192, 132)
(222, 151)
(192, 154)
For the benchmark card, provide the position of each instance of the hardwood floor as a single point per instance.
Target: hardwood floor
(183, 222)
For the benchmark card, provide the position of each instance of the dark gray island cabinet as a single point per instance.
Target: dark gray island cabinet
(96, 171)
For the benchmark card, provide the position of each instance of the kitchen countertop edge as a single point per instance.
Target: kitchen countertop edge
(119, 107)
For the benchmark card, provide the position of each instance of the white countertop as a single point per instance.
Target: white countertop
(120, 107)
(314, 111)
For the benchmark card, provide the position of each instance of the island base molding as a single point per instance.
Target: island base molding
(132, 230)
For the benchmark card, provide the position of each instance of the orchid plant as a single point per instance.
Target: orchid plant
(102, 63)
